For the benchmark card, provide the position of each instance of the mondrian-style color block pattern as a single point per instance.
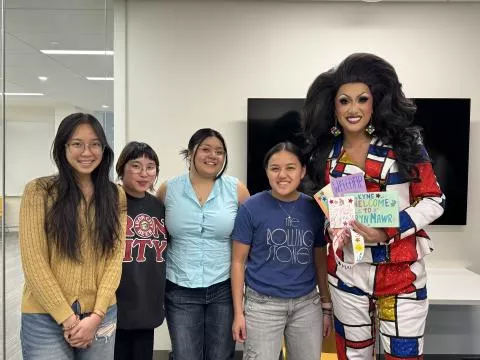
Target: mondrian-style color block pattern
(420, 202)
(400, 318)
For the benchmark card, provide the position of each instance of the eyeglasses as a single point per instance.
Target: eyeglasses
(95, 147)
(137, 168)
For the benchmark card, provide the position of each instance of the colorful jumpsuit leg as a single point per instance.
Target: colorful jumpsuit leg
(395, 294)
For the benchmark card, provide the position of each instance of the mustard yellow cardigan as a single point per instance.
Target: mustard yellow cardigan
(53, 282)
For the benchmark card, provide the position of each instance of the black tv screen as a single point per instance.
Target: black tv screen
(273, 120)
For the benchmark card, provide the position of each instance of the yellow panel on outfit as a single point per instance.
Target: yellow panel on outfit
(386, 308)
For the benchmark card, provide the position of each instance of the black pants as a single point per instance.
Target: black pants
(134, 344)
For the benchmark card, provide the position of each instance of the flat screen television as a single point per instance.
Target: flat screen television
(446, 132)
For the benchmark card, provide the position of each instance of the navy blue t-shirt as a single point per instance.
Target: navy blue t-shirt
(281, 258)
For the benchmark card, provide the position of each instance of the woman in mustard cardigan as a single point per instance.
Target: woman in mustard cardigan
(72, 229)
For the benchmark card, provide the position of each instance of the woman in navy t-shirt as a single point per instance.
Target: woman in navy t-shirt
(279, 254)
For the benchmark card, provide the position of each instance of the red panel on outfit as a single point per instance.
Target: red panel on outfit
(340, 167)
(373, 186)
(428, 186)
(326, 174)
(404, 250)
(359, 344)
(392, 279)
(341, 349)
(331, 263)
(391, 154)
(373, 168)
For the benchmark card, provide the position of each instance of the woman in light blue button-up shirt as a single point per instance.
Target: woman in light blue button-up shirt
(201, 206)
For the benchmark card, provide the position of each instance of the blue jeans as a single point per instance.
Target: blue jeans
(270, 318)
(42, 338)
(200, 321)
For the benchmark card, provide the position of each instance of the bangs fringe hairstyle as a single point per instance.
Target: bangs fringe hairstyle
(197, 139)
(392, 117)
(134, 150)
(64, 195)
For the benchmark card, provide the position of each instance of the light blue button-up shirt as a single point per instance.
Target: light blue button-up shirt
(199, 248)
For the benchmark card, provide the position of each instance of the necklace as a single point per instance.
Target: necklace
(290, 222)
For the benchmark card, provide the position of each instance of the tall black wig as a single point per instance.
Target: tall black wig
(392, 116)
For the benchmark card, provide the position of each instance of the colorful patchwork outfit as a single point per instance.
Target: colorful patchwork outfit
(390, 281)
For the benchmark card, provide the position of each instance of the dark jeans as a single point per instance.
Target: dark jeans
(200, 321)
(134, 344)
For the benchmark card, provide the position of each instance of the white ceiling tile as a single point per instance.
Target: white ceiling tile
(59, 24)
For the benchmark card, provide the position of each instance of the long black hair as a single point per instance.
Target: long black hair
(197, 138)
(392, 113)
(61, 223)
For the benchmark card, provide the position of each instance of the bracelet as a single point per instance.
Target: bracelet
(327, 312)
(75, 323)
(327, 305)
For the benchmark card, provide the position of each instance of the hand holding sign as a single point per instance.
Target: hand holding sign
(369, 234)
(340, 237)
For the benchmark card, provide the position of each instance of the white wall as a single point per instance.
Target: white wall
(193, 64)
(29, 136)
(30, 130)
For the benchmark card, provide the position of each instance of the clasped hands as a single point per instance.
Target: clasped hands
(370, 235)
(80, 333)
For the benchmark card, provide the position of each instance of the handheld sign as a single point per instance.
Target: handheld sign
(377, 209)
(322, 196)
(349, 184)
(341, 210)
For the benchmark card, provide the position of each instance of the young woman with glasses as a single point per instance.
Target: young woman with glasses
(72, 230)
(142, 287)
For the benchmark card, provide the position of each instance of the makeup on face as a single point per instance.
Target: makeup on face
(353, 107)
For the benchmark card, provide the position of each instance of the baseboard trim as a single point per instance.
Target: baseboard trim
(163, 355)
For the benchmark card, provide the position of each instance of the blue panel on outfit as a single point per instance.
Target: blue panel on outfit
(339, 329)
(406, 222)
(404, 347)
(379, 254)
(379, 151)
(350, 289)
(395, 178)
(422, 293)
